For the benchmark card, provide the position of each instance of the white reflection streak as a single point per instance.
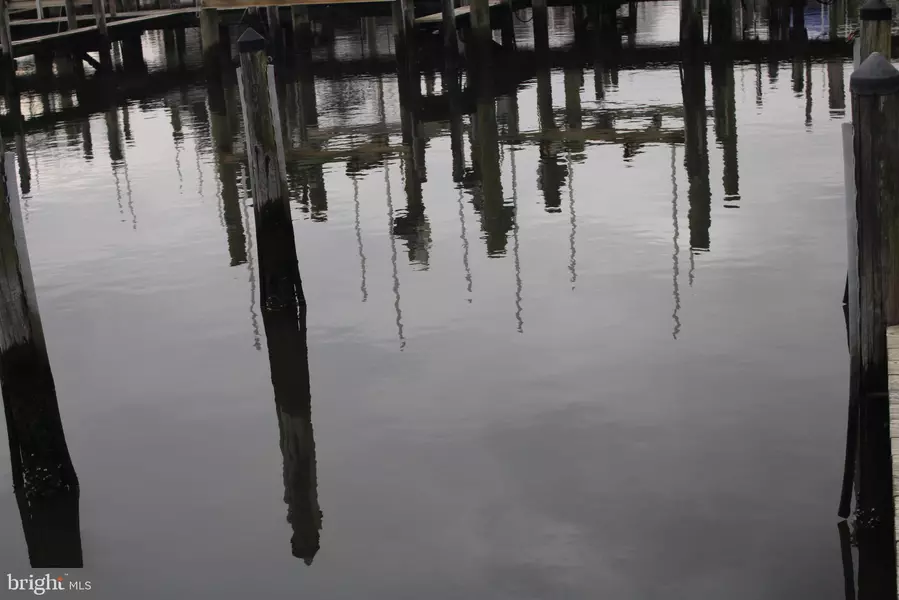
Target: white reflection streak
(364, 287)
(675, 256)
(515, 254)
(572, 264)
(396, 277)
(254, 318)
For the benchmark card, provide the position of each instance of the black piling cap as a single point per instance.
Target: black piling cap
(875, 10)
(250, 41)
(875, 77)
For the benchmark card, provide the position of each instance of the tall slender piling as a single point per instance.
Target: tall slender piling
(270, 195)
(875, 120)
(282, 298)
(875, 21)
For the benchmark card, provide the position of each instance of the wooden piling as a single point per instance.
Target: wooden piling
(71, 15)
(540, 17)
(875, 21)
(270, 195)
(691, 26)
(302, 27)
(100, 16)
(450, 36)
(5, 32)
(721, 21)
(209, 35)
(798, 31)
(482, 34)
(875, 120)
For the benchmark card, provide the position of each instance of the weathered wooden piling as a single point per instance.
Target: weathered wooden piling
(798, 31)
(721, 13)
(540, 16)
(5, 32)
(875, 120)
(282, 298)
(691, 26)
(481, 32)
(100, 17)
(450, 35)
(302, 27)
(71, 15)
(209, 35)
(875, 21)
(267, 176)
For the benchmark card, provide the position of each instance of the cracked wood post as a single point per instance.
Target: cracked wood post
(267, 174)
(875, 120)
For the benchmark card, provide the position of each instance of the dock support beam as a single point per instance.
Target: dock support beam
(875, 120)
(875, 19)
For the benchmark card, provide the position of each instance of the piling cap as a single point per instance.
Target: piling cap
(875, 77)
(875, 10)
(250, 41)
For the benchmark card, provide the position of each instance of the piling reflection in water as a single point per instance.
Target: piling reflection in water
(488, 107)
(44, 479)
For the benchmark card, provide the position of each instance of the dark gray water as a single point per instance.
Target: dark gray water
(600, 392)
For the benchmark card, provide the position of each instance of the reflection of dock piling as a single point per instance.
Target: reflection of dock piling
(44, 478)
(696, 154)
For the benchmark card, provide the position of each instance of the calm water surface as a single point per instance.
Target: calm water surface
(600, 393)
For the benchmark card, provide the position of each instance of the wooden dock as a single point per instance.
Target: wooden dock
(65, 38)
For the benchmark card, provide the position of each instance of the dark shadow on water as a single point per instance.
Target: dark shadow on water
(44, 478)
